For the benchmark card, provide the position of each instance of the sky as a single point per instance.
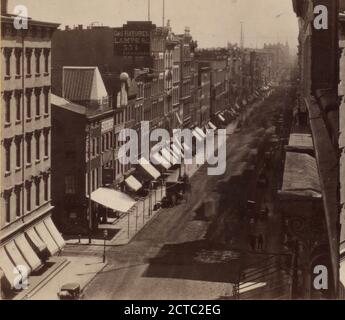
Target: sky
(213, 23)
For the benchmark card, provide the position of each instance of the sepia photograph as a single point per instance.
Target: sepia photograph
(156, 151)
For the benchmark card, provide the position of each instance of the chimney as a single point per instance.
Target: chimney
(4, 7)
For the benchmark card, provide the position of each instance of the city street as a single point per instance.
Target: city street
(172, 257)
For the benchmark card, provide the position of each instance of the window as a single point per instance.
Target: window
(28, 60)
(38, 151)
(38, 60)
(38, 184)
(7, 144)
(69, 185)
(18, 105)
(46, 102)
(28, 103)
(18, 55)
(8, 53)
(28, 197)
(7, 97)
(46, 60)
(18, 202)
(18, 153)
(38, 102)
(46, 189)
(28, 149)
(7, 197)
(46, 145)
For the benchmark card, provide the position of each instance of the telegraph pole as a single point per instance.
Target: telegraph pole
(149, 10)
(163, 13)
(242, 35)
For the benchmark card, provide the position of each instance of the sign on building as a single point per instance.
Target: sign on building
(133, 40)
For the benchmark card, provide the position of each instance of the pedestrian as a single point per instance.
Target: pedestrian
(260, 242)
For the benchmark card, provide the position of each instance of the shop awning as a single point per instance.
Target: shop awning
(200, 132)
(301, 176)
(36, 241)
(15, 255)
(47, 238)
(54, 232)
(112, 199)
(149, 168)
(197, 135)
(133, 183)
(7, 266)
(169, 156)
(177, 150)
(212, 126)
(160, 160)
(28, 253)
(221, 118)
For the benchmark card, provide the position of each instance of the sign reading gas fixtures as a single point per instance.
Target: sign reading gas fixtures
(132, 42)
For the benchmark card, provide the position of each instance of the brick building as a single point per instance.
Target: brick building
(27, 233)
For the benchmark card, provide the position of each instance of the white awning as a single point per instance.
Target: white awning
(197, 135)
(149, 168)
(133, 183)
(47, 238)
(221, 117)
(7, 267)
(36, 240)
(212, 126)
(159, 159)
(54, 232)
(28, 253)
(15, 255)
(169, 156)
(177, 151)
(200, 132)
(113, 199)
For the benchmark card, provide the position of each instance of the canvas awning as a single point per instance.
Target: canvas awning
(177, 150)
(112, 199)
(133, 183)
(54, 232)
(8, 267)
(200, 132)
(221, 118)
(47, 238)
(15, 255)
(36, 241)
(27, 252)
(169, 156)
(149, 168)
(160, 160)
(301, 176)
(212, 126)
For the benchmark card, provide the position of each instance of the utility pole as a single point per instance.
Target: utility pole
(242, 35)
(163, 13)
(149, 10)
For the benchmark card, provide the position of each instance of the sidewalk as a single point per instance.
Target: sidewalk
(79, 270)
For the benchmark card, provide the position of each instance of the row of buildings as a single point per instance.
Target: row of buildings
(147, 73)
(66, 96)
(313, 204)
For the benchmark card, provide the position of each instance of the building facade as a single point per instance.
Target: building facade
(26, 145)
